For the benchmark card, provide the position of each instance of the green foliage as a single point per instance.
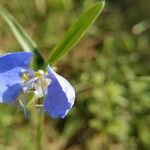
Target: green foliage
(75, 33)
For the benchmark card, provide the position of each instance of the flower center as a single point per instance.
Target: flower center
(36, 82)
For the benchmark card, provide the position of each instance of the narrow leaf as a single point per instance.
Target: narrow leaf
(23, 38)
(75, 32)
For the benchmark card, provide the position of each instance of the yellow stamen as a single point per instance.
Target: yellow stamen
(39, 74)
(25, 77)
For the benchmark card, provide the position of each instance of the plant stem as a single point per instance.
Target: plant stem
(39, 131)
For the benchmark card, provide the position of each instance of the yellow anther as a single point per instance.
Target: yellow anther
(25, 77)
(39, 74)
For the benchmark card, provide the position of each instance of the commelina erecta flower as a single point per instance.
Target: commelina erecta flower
(16, 77)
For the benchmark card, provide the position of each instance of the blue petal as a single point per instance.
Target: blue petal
(11, 67)
(60, 96)
(17, 59)
(10, 85)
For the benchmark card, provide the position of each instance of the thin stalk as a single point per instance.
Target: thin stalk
(39, 131)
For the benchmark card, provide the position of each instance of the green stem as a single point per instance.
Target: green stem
(39, 131)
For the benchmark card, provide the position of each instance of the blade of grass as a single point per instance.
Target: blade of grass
(75, 32)
(23, 38)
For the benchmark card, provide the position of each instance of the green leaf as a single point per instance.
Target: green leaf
(75, 32)
(23, 38)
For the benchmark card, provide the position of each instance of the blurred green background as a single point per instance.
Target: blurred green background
(109, 69)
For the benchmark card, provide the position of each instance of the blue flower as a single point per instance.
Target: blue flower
(16, 77)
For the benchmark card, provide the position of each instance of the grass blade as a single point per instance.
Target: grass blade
(75, 32)
(23, 38)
